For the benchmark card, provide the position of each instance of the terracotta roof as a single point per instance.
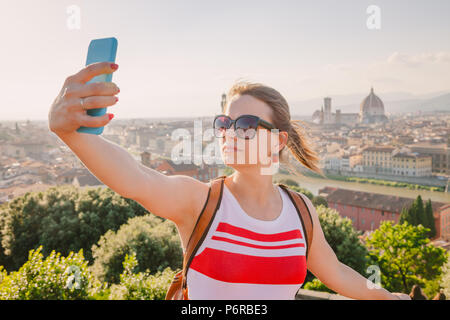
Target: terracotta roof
(371, 200)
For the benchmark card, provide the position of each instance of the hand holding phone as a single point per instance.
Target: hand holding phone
(100, 50)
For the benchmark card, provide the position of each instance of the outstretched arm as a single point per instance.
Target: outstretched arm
(323, 263)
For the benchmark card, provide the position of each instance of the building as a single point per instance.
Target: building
(396, 161)
(440, 155)
(411, 164)
(326, 117)
(377, 159)
(367, 210)
(444, 223)
(372, 109)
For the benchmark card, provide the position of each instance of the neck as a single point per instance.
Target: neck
(253, 186)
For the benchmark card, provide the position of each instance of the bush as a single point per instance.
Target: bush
(304, 191)
(59, 278)
(143, 285)
(317, 285)
(63, 219)
(318, 200)
(156, 244)
(54, 278)
(445, 281)
(289, 182)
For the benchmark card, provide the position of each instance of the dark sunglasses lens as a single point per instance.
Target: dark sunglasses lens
(246, 127)
(221, 124)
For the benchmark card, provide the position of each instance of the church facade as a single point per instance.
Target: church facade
(371, 111)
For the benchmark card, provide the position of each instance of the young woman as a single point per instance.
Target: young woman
(255, 248)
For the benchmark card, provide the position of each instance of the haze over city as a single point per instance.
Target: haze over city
(177, 58)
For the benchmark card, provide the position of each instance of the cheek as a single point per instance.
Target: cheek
(258, 148)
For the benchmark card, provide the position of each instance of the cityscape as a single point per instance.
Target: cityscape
(412, 148)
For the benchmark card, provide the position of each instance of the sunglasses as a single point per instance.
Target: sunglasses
(244, 126)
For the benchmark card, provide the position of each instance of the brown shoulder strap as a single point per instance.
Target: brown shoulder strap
(304, 214)
(203, 222)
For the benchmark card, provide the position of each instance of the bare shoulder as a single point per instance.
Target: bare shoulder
(313, 212)
(198, 191)
(176, 197)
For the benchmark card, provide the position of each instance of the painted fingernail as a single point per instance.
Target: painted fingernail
(110, 115)
(114, 66)
(118, 89)
(117, 99)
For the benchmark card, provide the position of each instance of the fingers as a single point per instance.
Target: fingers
(99, 121)
(92, 70)
(93, 102)
(78, 90)
(98, 89)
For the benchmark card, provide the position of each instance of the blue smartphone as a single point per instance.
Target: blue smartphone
(100, 50)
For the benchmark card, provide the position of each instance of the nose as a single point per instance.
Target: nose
(230, 132)
(230, 137)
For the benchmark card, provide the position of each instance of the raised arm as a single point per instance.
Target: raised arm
(173, 197)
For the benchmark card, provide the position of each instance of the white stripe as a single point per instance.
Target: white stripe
(202, 287)
(235, 248)
(257, 242)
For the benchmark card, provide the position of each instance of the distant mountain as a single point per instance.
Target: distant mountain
(394, 102)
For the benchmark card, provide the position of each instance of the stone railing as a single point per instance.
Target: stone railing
(303, 294)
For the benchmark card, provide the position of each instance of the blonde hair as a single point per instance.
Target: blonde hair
(297, 142)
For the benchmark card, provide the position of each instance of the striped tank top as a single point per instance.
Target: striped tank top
(242, 257)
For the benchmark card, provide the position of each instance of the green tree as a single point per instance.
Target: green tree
(405, 216)
(63, 219)
(156, 244)
(405, 256)
(430, 219)
(318, 200)
(420, 212)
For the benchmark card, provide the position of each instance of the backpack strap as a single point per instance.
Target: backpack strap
(202, 225)
(300, 205)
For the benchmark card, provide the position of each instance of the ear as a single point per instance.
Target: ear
(283, 139)
(279, 145)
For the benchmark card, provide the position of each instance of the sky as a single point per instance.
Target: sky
(177, 57)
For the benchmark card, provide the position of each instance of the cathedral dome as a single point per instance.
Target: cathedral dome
(372, 109)
(372, 105)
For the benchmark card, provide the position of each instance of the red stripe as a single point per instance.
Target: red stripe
(240, 268)
(241, 232)
(258, 246)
